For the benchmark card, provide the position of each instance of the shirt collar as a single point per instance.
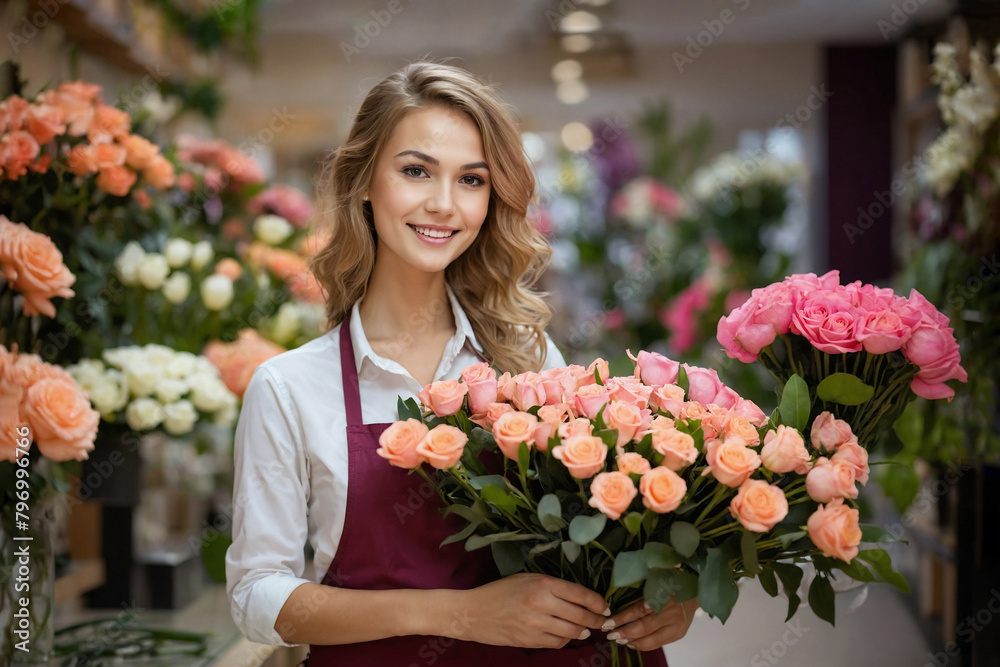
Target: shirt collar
(463, 334)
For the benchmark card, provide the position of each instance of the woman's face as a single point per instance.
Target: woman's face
(430, 190)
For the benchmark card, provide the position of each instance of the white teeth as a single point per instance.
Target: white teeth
(433, 233)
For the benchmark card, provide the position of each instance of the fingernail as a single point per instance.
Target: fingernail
(584, 634)
(614, 635)
(645, 605)
(621, 641)
(607, 612)
(608, 625)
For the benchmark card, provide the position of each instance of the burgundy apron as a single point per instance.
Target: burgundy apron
(392, 530)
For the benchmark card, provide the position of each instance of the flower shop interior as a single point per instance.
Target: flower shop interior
(159, 164)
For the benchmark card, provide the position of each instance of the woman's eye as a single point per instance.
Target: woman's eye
(472, 179)
(413, 170)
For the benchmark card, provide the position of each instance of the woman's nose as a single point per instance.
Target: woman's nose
(441, 200)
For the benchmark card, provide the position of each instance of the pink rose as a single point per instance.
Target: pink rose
(602, 369)
(935, 352)
(443, 446)
(923, 311)
(574, 427)
(625, 418)
(550, 417)
(505, 388)
(528, 391)
(677, 448)
(785, 451)
(749, 411)
(630, 462)
(513, 428)
(481, 381)
(583, 455)
(581, 375)
(835, 530)
(869, 298)
(558, 383)
(759, 506)
(590, 399)
(731, 462)
(831, 479)
(881, 332)
(668, 398)
(856, 456)
(828, 433)
(662, 490)
(704, 384)
(654, 369)
(629, 390)
(444, 397)
(754, 325)
(398, 443)
(611, 493)
(681, 316)
(808, 282)
(494, 411)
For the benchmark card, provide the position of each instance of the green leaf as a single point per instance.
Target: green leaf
(585, 529)
(597, 376)
(682, 380)
(467, 513)
(788, 538)
(461, 535)
(509, 558)
(477, 541)
(629, 569)
(881, 562)
(571, 550)
(748, 549)
(664, 584)
(499, 498)
(791, 579)
(717, 591)
(550, 513)
(873, 533)
(855, 569)
(767, 581)
(633, 522)
(408, 409)
(845, 389)
(542, 548)
(482, 481)
(795, 403)
(660, 555)
(523, 458)
(608, 436)
(821, 599)
(685, 538)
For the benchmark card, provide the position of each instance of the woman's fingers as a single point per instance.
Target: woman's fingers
(652, 631)
(629, 615)
(577, 594)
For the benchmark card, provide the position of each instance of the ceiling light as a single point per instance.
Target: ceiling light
(577, 137)
(566, 70)
(580, 21)
(577, 43)
(572, 92)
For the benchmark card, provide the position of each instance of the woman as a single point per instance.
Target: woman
(429, 270)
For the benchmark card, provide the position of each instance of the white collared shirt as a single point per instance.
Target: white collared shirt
(291, 462)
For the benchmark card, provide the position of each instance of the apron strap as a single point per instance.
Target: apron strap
(349, 371)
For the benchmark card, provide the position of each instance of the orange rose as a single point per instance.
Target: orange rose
(583, 455)
(662, 490)
(590, 399)
(398, 443)
(715, 421)
(33, 265)
(139, 151)
(856, 456)
(834, 529)
(18, 149)
(611, 493)
(630, 462)
(108, 123)
(626, 418)
(574, 427)
(677, 448)
(159, 172)
(14, 113)
(443, 445)
(116, 181)
(62, 422)
(550, 417)
(230, 268)
(742, 427)
(45, 122)
(785, 451)
(513, 428)
(444, 397)
(109, 155)
(758, 505)
(83, 160)
(238, 360)
(831, 479)
(731, 462)
(668, 398)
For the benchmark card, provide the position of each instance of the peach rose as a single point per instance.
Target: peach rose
(632, 462)
(444, 397)
(834, 528)
(856, 456)
(505, 387)
(481, 381)
(590, 399)
(443, 446)
(62, 422)
(731, 462)
(513, 428)
(559, 383)
(116, 181)
(528, 391)
(583, 455)
(785, 451)
(17, 150)
(693, 410)
(759, 506)
(230, 268)
(108, 123)
(828, 432)
(33, 265)
(82, 160)
(582, 376)
(629, 390)
(550, 417)
(577, 426)
(14, 113)
(494, 411)
(668, 398)
(398, 443)
(662, 490)
(625, 418)
(159, 172)
(742, 427)
(714, 422)
(660, 423)
(45, 121)
(749, 411)
(831, 479)
(611, 493)
(109, 155)
(677, 448)
(139, 151)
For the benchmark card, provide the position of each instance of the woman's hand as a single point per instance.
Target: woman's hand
(644, 630)
(530, 611)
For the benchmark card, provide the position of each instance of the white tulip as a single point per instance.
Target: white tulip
(128, 262)
(286, 323)
(144, 414)
(216, 292)
(178, 252)
(152, 270)
(272, 229)
(201, 254)
(179, 418)
(177, 287)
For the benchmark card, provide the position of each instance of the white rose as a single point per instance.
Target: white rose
(179, 418)
(170, 390)
(87, 373)
(178, 252)
(152, 270)
(128, 262)
(144, 414)
(209, 394)
(110, 394)
(142, 379)
(227, 415)
(177, 287)
(201, 254)
(272, 229)
(182, 365)
(216, 292)
(202, 366)
(286, 323)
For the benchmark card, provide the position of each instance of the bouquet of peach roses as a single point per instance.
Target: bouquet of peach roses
(664, 485)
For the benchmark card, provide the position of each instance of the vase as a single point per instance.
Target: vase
(27, 582)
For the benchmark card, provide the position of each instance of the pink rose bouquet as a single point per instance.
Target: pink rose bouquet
(662, 485)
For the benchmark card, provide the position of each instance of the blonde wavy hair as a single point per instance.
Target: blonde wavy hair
(494, 278)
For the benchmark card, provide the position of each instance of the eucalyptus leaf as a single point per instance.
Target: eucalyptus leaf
(684, 537)
(482, 481)
(585, 529)
(509, 558)
(717, 591)
(571, 550)
(629, 569)
(499, 498)
(660, 555)
(550, 513)
(633, 522)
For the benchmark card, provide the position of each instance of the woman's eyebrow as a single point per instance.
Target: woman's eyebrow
(427, 158)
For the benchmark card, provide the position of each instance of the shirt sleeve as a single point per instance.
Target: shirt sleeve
(270, 510)
(553, 357)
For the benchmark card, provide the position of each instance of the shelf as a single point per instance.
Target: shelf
(82, 576)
